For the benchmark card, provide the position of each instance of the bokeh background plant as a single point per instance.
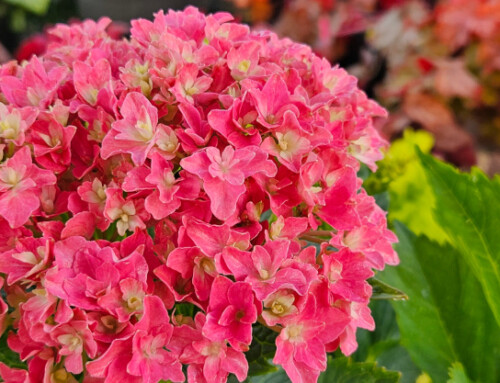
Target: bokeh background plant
(433, 64)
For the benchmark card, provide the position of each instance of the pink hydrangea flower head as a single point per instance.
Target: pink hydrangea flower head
(160, 193)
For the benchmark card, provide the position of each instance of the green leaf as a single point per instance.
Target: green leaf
(268, 216)
(382, 290)
(38, 7)
(468, 209)
(341, 370)
(383, 345)
(398, 158)
(279, 376)
(385, 319)
(457, 374)
(382, 200)
(391, 355)
(262, 350)
(185, 309)
(17, 20)
(151, 232)
(386, 330)
(411, 200)
(400, 174)
(344, 370)
(364, 172)
(7, 356)
(446, 318)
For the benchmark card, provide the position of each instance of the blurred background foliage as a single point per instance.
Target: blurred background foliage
(435, 64)
(448, 93)
(20, 19)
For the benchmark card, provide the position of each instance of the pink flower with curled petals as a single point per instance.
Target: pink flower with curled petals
(170, 191)
(243, 61)
(20, 183)
(109, 367)
(188, 84)
(94, 83)
(301, 344)
(237, 124)
(347, 273)
(128, 214)
(269, 268)
(125, 299)
(288, 228)
(150, 359)
(224, 174)
(167, 190)
(84, 272)
(231, 312)
(212, 240)
(141, 356)
(288, 144)
(29, 257)
(134, 134)
(192, 263)
(279, 305)
(196, 131)
(209, 361)
(373, 240)
(74, 337)
(14, 122)
(272, 101)
(37, 85)
(181, 288)
(52, 143)
(340, 199)
(360, 318)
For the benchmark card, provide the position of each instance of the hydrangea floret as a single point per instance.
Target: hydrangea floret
(164, 195)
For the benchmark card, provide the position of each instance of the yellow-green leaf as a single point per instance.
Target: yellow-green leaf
(446, 318)
(468, 210)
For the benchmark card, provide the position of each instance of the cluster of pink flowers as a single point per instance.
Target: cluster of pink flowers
(194, 164)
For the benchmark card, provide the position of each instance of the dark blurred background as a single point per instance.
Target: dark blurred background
(434, 64)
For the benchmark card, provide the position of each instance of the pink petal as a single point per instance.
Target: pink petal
(223, 197)
(81, 224)
(26, 203)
